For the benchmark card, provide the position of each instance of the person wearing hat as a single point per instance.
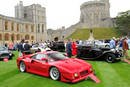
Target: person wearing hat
(112, 43)
(125, 50)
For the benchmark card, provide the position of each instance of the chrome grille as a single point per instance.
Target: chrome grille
(83, 73)
(4, 55)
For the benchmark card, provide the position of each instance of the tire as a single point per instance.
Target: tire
(22, 67)
(54, 73)
(10, 57)
(110, 58)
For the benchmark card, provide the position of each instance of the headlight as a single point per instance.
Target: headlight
(91, 69)
(10, 54)
(113, 50)
(75, 74)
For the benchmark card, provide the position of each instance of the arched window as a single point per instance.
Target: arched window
(26, 27)
(18, 37)
(6, 25)
(6, 37)
(12, 37)
(26, 37)
(12, 26)
(32, 37)
(17, 27)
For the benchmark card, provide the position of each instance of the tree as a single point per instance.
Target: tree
(123, 22)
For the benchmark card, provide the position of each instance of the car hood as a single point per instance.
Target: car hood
(73, 65)
(4, 51)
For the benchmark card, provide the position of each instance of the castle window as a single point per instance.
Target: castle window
(42, 28)
(25, 15)
(32, 28)
(17, 27)
(12, 26)
(6, 25)
(27, 28)
(6, 37)
(32, 37)
(12, 37)
(38, 28)
(18, 37)
(26, 37)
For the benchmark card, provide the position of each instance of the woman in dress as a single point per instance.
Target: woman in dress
(74, 48)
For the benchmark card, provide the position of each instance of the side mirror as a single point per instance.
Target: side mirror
(44, 59)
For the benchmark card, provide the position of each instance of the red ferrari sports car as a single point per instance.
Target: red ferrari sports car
(57, 66)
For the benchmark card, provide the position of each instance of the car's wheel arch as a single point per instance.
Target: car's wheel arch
(58, 70)
(53, 66)
(24, 64)
(110, 54)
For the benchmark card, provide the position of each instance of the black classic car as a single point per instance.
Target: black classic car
(92, 53)
(58, 46)
(5, 53)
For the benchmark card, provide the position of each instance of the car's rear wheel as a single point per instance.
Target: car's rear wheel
(22, 67)
(54, 73)
(110, 58)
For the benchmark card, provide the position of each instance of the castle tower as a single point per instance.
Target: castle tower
(36, 14)
(19, 10)
(107, 7)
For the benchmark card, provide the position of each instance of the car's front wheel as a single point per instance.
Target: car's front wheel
(54, 73)
(110, 58)
(22, 67)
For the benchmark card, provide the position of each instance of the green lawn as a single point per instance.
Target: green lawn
(98, 33)
(111, 75)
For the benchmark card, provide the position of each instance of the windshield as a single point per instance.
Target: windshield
(57, 56)
(3, 48)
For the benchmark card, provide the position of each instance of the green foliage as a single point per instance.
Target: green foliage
(123, 22)
(99, 33)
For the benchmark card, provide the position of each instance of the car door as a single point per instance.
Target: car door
(39, 66)
(86, 52)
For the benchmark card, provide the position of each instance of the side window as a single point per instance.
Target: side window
(34, 56)
(40, 56)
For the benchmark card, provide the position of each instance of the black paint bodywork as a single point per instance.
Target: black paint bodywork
(92, 53)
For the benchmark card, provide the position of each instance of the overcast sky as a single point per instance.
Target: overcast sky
(61, 12)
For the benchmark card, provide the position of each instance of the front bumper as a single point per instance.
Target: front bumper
(80, 78)
(91, 75)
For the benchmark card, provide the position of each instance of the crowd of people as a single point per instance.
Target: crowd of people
(122, 43)
(71, 45)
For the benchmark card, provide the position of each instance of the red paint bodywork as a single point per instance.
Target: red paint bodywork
(67, 67)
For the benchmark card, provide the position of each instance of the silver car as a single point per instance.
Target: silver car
(5, 53)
